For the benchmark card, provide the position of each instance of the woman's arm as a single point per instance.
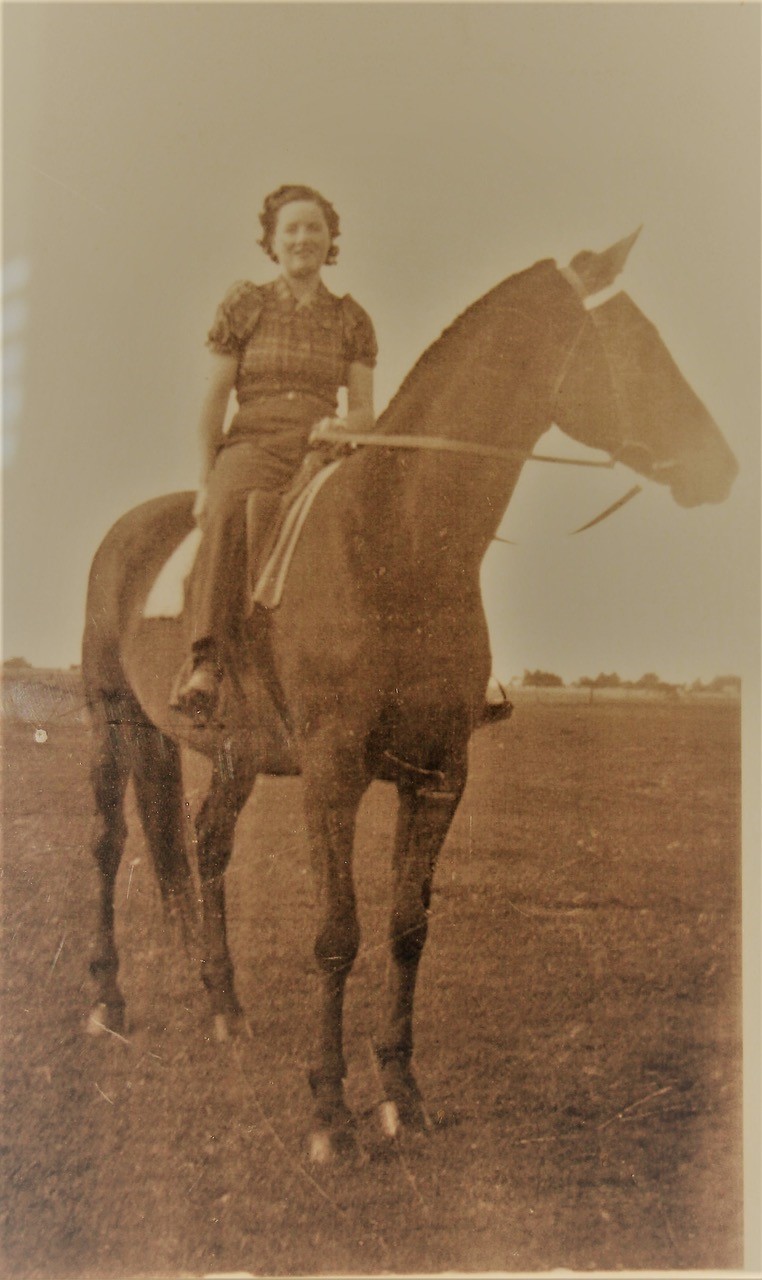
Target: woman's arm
(219, 382)
(360, 413)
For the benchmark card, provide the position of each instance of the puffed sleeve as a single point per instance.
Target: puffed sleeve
(359, 335)
(235, 319)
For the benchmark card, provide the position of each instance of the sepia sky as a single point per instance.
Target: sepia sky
(460, 143)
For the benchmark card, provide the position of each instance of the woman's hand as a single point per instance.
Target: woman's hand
(320, 429)
(360, 417)
(199, 507)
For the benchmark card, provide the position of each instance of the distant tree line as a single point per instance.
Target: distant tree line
(21, 664)
(542, 680)
(650, 682)
(549, 680)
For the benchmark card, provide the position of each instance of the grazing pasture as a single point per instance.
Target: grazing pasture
(578, 1032)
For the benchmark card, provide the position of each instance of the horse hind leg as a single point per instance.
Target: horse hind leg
(425, 814)
(109, 774)
(233, 775)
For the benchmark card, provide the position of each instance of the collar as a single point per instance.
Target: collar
(321, 300)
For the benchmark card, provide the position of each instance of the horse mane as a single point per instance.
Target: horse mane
(443, 352)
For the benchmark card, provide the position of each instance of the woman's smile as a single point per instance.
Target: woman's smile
(301, 239)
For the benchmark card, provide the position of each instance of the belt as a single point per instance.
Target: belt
(265, 402)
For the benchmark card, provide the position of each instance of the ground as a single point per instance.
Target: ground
(578, 1023)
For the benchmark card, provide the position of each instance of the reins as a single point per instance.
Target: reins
(443, 444)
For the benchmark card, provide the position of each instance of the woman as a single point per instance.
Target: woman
(286, 348)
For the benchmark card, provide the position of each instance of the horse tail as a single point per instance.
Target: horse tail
(121, 574)
(126, 744)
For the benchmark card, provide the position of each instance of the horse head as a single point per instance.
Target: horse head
(621, 391)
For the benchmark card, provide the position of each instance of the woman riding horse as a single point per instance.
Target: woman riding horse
(383, 669)
(286, 347)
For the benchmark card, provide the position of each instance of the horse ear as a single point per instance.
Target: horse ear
(596, 271)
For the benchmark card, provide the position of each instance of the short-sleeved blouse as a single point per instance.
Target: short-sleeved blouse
(284, 348)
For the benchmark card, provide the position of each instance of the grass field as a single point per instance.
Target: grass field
(578, 1023)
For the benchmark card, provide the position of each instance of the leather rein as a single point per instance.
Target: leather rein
(443, 444)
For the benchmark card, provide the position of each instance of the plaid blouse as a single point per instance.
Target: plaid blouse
(283, 348)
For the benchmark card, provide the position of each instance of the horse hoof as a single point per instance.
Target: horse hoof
(329, 1145)
(227, 1026)
(103, 1020)
(220, 1028)
(418, 1120)
(389, 1118)
(321, 1148)
(96, 1022)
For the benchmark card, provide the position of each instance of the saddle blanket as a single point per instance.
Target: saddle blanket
(167, 595)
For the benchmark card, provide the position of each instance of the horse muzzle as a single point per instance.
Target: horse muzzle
(699, 480)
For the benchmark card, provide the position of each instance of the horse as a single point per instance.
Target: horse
(377, 656)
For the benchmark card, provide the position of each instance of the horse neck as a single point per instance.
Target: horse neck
(490, 379)
(441, 509)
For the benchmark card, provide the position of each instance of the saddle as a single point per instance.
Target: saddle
(273, 527)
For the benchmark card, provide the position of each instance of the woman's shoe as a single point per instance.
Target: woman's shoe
(198, 696)
(497, 704)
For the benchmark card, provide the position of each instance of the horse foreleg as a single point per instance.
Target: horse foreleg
(109, 774)
(333, 786)
(157, 779)
(424, 818)
(233, 776)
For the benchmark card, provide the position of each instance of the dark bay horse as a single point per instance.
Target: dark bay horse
(379, 649)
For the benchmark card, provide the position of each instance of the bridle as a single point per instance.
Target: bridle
(445, 444)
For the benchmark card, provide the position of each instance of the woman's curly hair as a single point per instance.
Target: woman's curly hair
(285, 195)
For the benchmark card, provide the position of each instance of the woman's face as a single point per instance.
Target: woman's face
(301, 239)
